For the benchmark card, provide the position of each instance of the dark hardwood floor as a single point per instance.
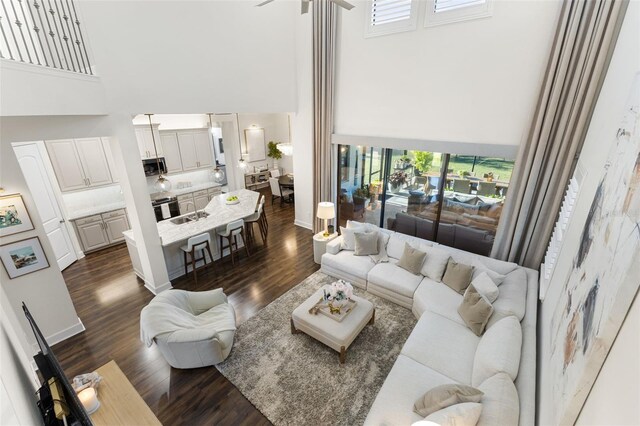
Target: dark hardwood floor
(108, 298)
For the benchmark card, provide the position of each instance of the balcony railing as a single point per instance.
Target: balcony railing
(43, 32)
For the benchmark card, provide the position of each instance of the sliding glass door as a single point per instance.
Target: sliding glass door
(455, 200)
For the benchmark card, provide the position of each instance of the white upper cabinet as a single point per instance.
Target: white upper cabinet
(195, 149)
(110, 161)
(94, 161)
(203, 148)
(66, 164)
(145, 141)
(79, 163)
(173, 160)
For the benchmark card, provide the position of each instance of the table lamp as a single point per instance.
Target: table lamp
(326, 211)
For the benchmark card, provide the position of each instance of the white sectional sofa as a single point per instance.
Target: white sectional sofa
(442, 349)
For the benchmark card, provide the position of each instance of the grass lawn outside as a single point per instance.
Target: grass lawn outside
(499, 166)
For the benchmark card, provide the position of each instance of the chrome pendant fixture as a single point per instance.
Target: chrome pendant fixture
(216, 173)
(162, 184)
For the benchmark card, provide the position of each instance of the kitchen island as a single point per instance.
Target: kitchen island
(173, 235)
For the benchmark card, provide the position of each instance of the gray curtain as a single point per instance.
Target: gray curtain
(584, 41)
(324, 53)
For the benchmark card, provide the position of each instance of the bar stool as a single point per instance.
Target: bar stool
(256, 217)
(194, 244)
(231, 232)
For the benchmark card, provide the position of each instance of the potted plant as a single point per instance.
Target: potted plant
(274, 153)
(464, 173)
(396, 180)
(489, 176)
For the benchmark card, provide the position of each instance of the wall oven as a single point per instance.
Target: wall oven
(166, 208)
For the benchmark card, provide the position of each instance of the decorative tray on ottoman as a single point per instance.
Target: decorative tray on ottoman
(323, 308)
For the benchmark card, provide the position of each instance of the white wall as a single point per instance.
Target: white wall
(474, 81)
(625, 63)
(193, 56)
(34, 90)
(276, 128)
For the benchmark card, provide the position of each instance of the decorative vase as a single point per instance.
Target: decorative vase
(275, 164)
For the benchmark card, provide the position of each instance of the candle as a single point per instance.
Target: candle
(89, 399)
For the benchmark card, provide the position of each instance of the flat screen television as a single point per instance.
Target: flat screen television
(50, 367)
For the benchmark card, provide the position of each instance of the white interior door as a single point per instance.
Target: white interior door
(42, 192)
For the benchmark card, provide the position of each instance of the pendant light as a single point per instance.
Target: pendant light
(241, 163)
(162, 184)
(216, 173)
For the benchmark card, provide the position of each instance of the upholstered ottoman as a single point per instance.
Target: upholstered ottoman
(337, 335)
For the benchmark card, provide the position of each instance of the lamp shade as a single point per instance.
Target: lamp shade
(326, 210)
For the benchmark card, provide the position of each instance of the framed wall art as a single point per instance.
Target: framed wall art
(23, 257)
(14, 217)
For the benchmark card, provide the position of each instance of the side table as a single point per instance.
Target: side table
(320, 245)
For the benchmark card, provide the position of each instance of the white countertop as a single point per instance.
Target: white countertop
(219, 214)
(90, 211)
(187, 190)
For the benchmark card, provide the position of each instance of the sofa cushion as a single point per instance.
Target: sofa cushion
(435, 263)
(395, 246)
(393, 278)
(406, 381)
(500, 402)
(481, 268)
(498, 351)
(464, 414)
(438, 298)
(512, 299)
(485, 286)
(443, 345)
(358, 266)
(457, 276)
(349, 237)
(475, 310)
(412, 259)
(366, 243)
(444, 396)
(498, 266)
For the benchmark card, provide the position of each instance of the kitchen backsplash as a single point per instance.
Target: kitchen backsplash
(82, 200)
(182, 180)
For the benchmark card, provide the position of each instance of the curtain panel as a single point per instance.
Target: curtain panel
(324, 54)
(584, 42)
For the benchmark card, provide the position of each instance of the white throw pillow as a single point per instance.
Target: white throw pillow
(464, 414)
(435, 262)
(348, 237)
(498, 351)
(480, 267)
(500, 402)
(486, 287)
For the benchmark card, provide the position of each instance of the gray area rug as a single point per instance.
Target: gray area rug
(296, 380)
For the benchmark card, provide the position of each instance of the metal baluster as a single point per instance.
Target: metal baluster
(24, 16)
(6, 40)
(52, 34)
(55, 25)
(38, 35)
(15, 40)
(46, 39)
(19, 25)
(84, 46)
(66, 17)
(64, 36)
(76, 41)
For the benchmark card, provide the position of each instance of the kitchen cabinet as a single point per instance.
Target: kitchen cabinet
(79, 163)
(145, 141)
(185, 203)
(106, 145)
(101, 230)
(212, 192)
(195, 149)
(171, 150)
(201, 199)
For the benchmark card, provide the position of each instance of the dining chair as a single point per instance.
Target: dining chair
(277, 191)
(198, 243)
(486, 188)
(230, 232)
(462, 186)
(275, 173)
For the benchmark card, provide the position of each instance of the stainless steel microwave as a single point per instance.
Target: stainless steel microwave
(154, 166)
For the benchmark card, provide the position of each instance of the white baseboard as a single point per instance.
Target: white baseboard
(159, 289)
(303, 224)
(64, 334)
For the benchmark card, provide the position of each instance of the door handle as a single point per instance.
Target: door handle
(62, 221)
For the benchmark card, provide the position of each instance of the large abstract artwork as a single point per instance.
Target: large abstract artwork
(606, 272)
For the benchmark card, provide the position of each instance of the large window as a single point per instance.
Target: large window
(455, 200)
(390, 16)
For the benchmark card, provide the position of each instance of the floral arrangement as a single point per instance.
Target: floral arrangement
(340, 291)
(397, 178)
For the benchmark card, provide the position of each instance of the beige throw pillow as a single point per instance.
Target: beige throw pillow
(465, 414)
(475, 310)
(366, 243)
(457, 276)
(444, 396)
(411, 259)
